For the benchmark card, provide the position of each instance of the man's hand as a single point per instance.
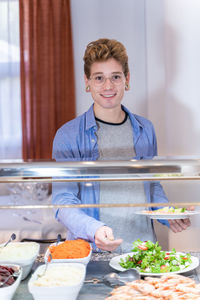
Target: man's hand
(179, 225)
(104, 239)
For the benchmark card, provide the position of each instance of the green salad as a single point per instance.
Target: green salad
(149, 258)
(171, 209)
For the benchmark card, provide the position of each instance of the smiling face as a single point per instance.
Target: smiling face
(108, 93)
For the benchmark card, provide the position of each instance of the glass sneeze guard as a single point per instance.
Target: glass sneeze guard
(51, 171)
(157, 169)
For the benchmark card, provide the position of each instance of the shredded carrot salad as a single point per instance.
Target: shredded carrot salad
(70, 249)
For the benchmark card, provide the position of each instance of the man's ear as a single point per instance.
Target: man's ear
(127, 86)
(87, 87)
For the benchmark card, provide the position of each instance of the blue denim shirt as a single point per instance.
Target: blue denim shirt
(76, 141)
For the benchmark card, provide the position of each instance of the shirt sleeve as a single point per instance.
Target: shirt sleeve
(75, 220)
(157, 194)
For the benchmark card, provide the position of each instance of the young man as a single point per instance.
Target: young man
(107, 131)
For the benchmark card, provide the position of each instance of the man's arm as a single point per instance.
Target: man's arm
(74, 219)
(80, 224)
(158, 195)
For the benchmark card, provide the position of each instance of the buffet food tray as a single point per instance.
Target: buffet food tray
(97, 267)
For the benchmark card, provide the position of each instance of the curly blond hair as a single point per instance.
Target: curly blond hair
(102, 50)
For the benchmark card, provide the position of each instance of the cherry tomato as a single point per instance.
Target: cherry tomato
(163, 267)
(142, 247)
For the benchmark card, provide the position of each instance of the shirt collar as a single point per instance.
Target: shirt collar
(90, 118)
(135, 122)
(91, 122)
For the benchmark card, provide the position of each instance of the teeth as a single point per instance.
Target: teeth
(107, 96)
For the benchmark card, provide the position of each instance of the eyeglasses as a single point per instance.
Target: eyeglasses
(100, 79)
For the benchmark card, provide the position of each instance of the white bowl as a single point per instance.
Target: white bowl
(7, 292)
(63, 292)
(27, 262)
(85, 260)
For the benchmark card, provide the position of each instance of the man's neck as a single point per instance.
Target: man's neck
(114, 115)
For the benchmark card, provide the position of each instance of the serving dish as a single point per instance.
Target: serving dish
(54, 291)
(7, 292)
(85, 260)
(17, 253)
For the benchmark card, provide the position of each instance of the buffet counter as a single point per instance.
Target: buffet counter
(97, 267)
(29, 216)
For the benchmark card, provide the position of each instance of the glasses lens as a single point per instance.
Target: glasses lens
(116, 79)
(99, 80)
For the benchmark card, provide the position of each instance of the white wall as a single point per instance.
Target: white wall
(173, 74)
(173, 69)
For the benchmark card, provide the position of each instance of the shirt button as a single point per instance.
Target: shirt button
(93, 140)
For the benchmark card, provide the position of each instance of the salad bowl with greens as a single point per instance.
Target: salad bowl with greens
(148, 258)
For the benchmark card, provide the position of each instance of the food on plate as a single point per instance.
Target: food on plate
(16, 251)
(168, 210)
(167, 287)
(60, 281)
(168, 175)
(5, 272)
(70, 249)
(149, 258)
(60, 275)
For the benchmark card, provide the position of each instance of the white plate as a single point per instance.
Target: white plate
(167, 216)
(114, 263)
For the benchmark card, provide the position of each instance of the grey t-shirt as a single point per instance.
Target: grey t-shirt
(115, 142)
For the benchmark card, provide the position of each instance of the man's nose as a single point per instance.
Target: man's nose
(108, 83)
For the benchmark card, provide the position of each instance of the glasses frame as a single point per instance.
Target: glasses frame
(107, 77)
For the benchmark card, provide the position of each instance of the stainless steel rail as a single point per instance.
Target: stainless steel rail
(51, 171)
(108, 205)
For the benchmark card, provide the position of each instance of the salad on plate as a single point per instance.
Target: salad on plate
(170, 210)
(148, 257)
